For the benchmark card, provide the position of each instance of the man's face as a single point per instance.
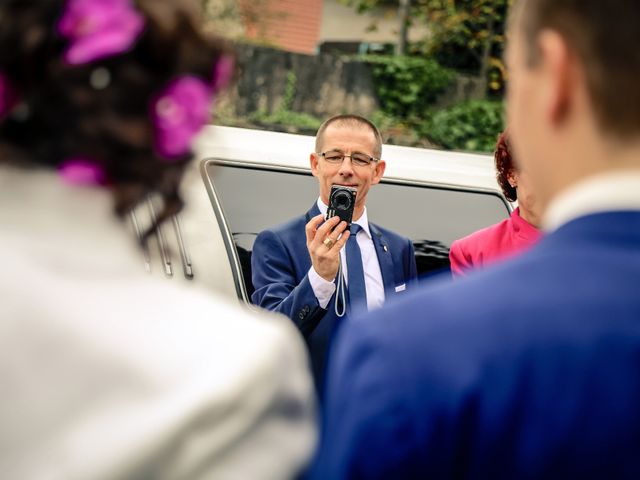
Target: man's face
(525, 113)
(348, 140)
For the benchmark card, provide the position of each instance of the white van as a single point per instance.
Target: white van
(244, 181)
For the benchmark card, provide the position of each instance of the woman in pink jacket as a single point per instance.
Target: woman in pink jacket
(510, 236)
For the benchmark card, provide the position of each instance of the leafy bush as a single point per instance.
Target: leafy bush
(473, 125)
(292, 122)
(407, 86)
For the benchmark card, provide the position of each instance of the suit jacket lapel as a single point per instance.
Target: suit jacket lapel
(313, 211)
(384, 259)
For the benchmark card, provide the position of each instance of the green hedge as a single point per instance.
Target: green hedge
(407, 87)
(473, 125)
(293, 122)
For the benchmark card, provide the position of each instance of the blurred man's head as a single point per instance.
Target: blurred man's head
(348, 149)
(573, 99)
(514, 181)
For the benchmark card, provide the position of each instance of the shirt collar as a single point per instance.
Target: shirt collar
(618, 190)
(363, 221)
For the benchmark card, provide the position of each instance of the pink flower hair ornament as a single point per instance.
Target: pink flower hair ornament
(81, 171)
(178, 113)
(182, 108)
(98, 29)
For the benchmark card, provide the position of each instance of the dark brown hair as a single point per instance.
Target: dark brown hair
(505, 166)
(351, 121)
(605, 35)
(62, 115)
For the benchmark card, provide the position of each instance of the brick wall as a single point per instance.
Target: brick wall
(292, 25)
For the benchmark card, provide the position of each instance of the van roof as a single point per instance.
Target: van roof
(458, 169)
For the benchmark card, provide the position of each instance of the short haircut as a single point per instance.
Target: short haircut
(505, 166)
(350, 121)
(605, 35)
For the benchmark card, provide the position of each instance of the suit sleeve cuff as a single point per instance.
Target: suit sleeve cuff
(322, 289)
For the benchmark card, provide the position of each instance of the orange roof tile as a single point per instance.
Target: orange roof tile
(292, 25)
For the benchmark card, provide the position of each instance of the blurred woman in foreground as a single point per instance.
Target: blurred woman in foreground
(107, 372)
(510, 236)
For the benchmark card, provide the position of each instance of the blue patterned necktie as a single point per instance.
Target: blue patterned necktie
(355, 272)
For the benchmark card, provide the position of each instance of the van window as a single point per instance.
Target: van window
(254, 197)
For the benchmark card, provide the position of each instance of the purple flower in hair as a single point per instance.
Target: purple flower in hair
(8, 97)
(82, 171)
(98, 28)
(178, 113)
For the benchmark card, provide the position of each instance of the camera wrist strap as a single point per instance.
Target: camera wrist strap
(341, 297)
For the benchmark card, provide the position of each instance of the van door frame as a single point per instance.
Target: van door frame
(227, 235)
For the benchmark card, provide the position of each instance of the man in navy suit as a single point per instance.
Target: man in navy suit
(531, 368)
(295, 266)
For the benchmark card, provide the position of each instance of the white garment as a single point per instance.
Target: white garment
(616, 190)
(106, 372)
(374, 286)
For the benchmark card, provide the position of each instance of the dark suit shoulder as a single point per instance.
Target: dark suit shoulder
(527, 349)
(286, 245)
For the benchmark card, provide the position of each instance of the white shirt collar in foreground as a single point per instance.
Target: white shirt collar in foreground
(613, 191)
(363, 221)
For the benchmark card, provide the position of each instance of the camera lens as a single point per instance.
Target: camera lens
(342, 200)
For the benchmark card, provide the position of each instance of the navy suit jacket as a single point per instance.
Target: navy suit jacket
(529, 369)
(280, 263)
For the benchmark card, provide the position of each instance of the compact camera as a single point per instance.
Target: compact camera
(341, 202)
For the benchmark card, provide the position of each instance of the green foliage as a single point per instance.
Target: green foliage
(293, 122)
(289, 91)
(284, 117)
(395, 131)
(363, 6)
(473, 125)
(469, 36)
(383, 121)
(407, 86)
(465, 35)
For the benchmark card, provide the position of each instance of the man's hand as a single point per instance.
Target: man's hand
(324, 244)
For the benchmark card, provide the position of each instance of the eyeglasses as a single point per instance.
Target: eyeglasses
(358, 159)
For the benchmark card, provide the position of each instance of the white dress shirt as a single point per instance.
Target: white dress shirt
(605, 192)
(324, 289)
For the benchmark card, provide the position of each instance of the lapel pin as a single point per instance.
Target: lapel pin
(384, 247)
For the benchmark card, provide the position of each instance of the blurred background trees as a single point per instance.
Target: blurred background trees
(437, 77)
(466, 35)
